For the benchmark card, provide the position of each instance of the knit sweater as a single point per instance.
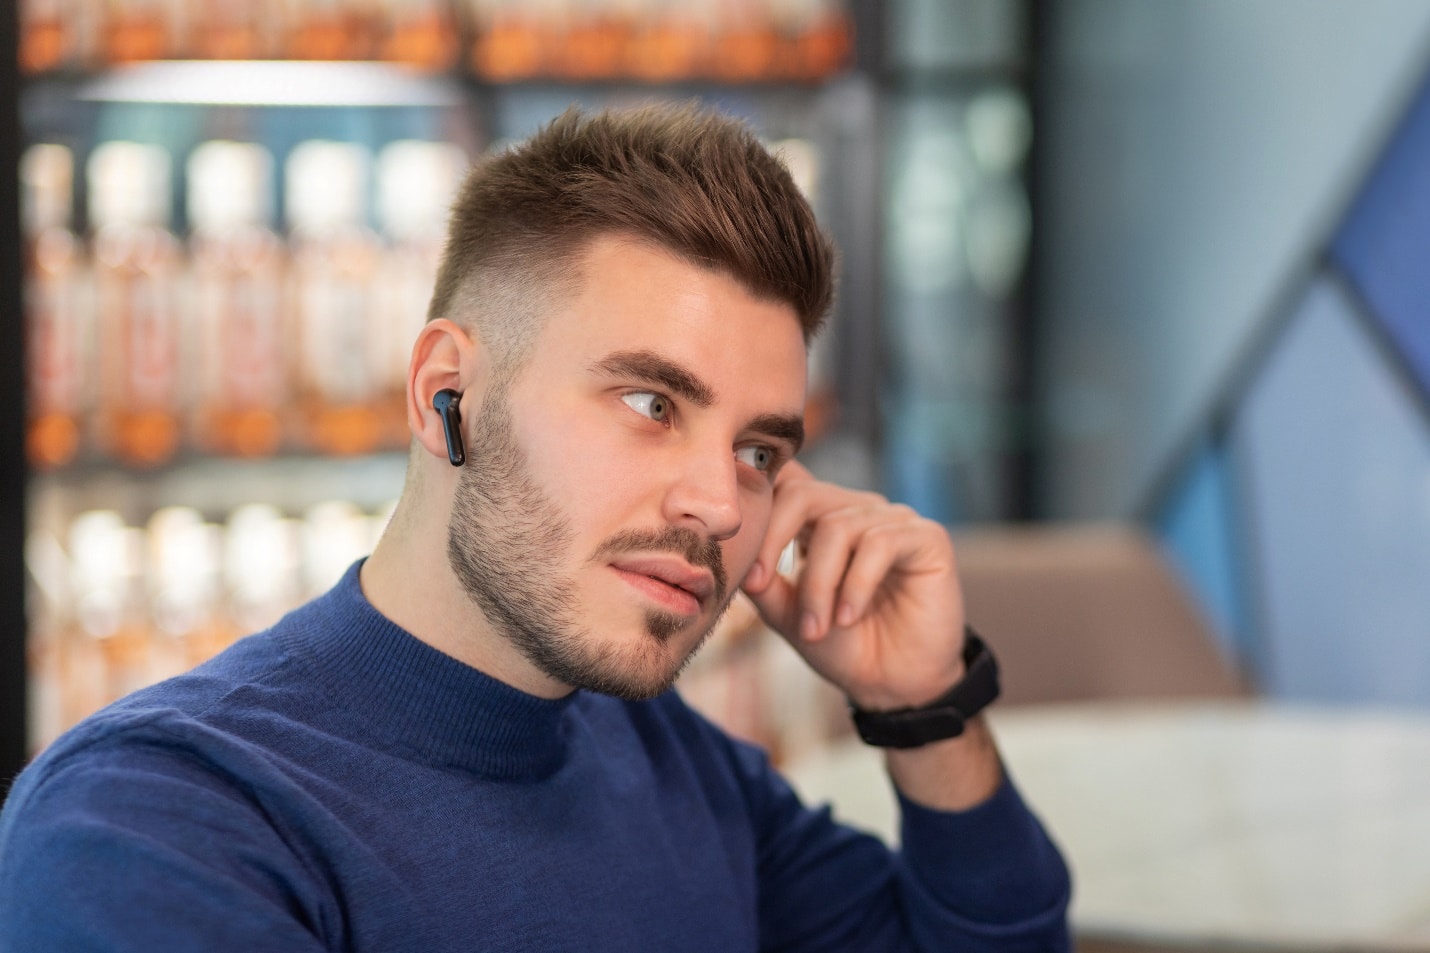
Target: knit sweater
(334, 783)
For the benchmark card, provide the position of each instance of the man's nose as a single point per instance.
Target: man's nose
(704, 494)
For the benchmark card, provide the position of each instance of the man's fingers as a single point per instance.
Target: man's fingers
(879, 553)
(835, 542)
(799, 504)
(777, 602)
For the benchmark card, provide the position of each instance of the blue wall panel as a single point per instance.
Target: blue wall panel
(1198, 531)
(1336, 454)
(1384, 243)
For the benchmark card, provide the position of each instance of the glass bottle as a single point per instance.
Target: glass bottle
(416, 182)
(333, 29)
(510, 38)
(108, 650)
(262, 566)
(137, 266)
(184, 591)
(47, 38)
(672, 40)
(334, 261)
(141, 30)
(57, 321)
(234, 31)
(746, 44)
(420, 33)
(237, 265)
(49, 621)
(819, 34)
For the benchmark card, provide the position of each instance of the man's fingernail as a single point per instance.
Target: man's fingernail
(846, 614)
(809, 625)
(756, 573)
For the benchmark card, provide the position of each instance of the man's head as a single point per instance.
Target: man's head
(692, 182)
(624, 306)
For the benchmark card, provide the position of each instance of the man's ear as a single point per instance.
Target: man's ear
(445, 357)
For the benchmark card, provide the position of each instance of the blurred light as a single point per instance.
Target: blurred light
(998, 224)
(999, 129)
(270, 83)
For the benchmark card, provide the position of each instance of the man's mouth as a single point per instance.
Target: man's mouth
(668, 580)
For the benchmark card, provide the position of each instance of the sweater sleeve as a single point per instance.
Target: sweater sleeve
(144, 852)
(986, 880)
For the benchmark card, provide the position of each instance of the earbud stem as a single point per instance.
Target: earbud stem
(446, 403)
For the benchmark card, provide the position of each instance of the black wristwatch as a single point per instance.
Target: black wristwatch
(945, 716)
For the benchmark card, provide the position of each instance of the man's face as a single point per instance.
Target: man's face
(618, 489)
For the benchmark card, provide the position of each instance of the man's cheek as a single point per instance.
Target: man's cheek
(740, 552)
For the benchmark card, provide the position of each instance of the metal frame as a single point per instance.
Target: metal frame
(13, 689)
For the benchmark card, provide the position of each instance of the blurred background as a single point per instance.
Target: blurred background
(1134, 296)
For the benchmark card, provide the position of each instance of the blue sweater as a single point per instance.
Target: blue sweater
(336, 784)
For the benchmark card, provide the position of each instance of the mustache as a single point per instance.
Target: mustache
(700, 551)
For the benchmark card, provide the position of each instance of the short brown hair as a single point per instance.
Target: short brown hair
(689, 180)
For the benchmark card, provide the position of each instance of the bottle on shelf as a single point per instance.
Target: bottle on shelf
(335, 534)
(237, 266)
(746, 44)
(48, 626)
(140, 30)
(333, 29)
(47, 35)
(594, 40)
(510, 38)
(137, 266)
(819, 35)
(671, 40)
(334, 261)
(416, 182)
(57, 321)
(235, 31)
(185, 591)
(117, 607)
(107, 650)
(262, 563)
(421, 33)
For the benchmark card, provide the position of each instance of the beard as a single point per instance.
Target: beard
(505, 541)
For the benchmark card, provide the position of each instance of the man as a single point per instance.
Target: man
(469, 743)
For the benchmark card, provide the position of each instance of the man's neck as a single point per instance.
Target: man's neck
(409, 580)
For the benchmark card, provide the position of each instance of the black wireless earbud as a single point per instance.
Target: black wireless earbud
(445, 402)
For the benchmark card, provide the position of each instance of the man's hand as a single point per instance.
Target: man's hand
(876, 607)
(876, 610)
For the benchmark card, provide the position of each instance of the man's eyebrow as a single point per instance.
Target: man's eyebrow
(652, 367)
(788, 427)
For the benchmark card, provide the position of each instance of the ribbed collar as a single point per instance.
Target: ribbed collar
(418, 698)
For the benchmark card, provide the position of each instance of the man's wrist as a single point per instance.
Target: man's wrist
(946, 716)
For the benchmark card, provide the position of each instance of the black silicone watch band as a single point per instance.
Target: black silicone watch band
(944, 717)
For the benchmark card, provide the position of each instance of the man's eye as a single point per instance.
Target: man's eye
(653, 406)
(761, 458)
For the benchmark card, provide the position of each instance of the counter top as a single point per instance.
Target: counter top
(1221, 823)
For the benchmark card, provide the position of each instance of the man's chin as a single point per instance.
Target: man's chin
(628, 684)
(640, 670)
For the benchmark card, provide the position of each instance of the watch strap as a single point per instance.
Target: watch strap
(945, 716)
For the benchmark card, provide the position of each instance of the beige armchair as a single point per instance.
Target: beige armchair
(1081, 612)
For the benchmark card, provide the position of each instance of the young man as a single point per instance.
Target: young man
(469, 743)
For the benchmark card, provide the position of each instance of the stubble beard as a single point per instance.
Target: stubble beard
(505, 539)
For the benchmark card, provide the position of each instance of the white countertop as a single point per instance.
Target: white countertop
(1222, 822)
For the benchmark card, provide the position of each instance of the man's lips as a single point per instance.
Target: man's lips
(670, 580)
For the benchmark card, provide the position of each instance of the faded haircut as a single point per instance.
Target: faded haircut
(683, 178)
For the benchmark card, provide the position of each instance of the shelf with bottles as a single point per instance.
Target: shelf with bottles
(658, 41)
(147, 347)
(117, 602)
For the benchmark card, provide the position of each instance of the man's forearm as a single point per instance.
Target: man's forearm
(951, 775)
